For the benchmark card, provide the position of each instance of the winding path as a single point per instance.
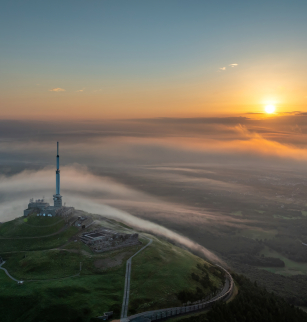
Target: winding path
(224, 294)
(127, 282)
(49, 279)
(7, 273)
(26, 237)
(45, 225)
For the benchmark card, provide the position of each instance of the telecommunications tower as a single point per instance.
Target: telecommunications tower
(57, 198)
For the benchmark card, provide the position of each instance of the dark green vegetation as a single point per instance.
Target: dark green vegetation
(258, 260)
(292, 288)
(254, 218)
(252, 304)
(163, 271)
(205, 284)
(292, 249)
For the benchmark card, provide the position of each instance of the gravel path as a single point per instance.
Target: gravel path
(127, 283)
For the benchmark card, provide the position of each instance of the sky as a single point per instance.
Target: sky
(142, 93)
(104, 60)
(131, 86)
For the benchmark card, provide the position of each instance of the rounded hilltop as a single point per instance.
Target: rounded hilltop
(75, 267)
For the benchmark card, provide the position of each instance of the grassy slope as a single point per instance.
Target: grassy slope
(72, 299)
(95, 291)
(10, 245)
(34, 226)
(31, 226)
(158, 273)
(59, 263)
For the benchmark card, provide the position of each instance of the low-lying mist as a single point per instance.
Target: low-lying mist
(175, 177)
(87, 192)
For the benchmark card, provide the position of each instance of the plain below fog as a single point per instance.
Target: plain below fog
(155, 174)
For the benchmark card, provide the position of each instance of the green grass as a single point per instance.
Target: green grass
(260, 211)
(237, 213)
(51, 264)
(258, 233)
(11, 245)
(285, 217)
(45, 264)
(78, 245)
(33, 226)
(72, 299)
(291, 267)
(161, 271)
(304, 213)
(158, 274)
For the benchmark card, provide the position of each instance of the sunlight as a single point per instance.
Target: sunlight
(270, 109)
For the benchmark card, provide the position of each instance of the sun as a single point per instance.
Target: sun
(269, 109)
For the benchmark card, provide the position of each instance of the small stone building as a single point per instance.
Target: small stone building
(106, 239)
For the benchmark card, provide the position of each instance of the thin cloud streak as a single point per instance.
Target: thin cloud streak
(57, 90)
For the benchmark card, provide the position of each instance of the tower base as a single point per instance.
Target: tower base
(57, 201)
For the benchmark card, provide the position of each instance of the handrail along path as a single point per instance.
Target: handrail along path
(154, 315)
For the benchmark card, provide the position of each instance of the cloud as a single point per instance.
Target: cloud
(196, 120)
(159, 140)
(223, 68)
(233, 65)
(58, 89)
(80, 90)
(91, 193)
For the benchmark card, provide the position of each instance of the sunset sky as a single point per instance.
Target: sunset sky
(150, 99)
(96, 60)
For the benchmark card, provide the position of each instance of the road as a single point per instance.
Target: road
(127, 283)
(226, 289)
(7, 273)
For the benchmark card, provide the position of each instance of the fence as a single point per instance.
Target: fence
(148, 316)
